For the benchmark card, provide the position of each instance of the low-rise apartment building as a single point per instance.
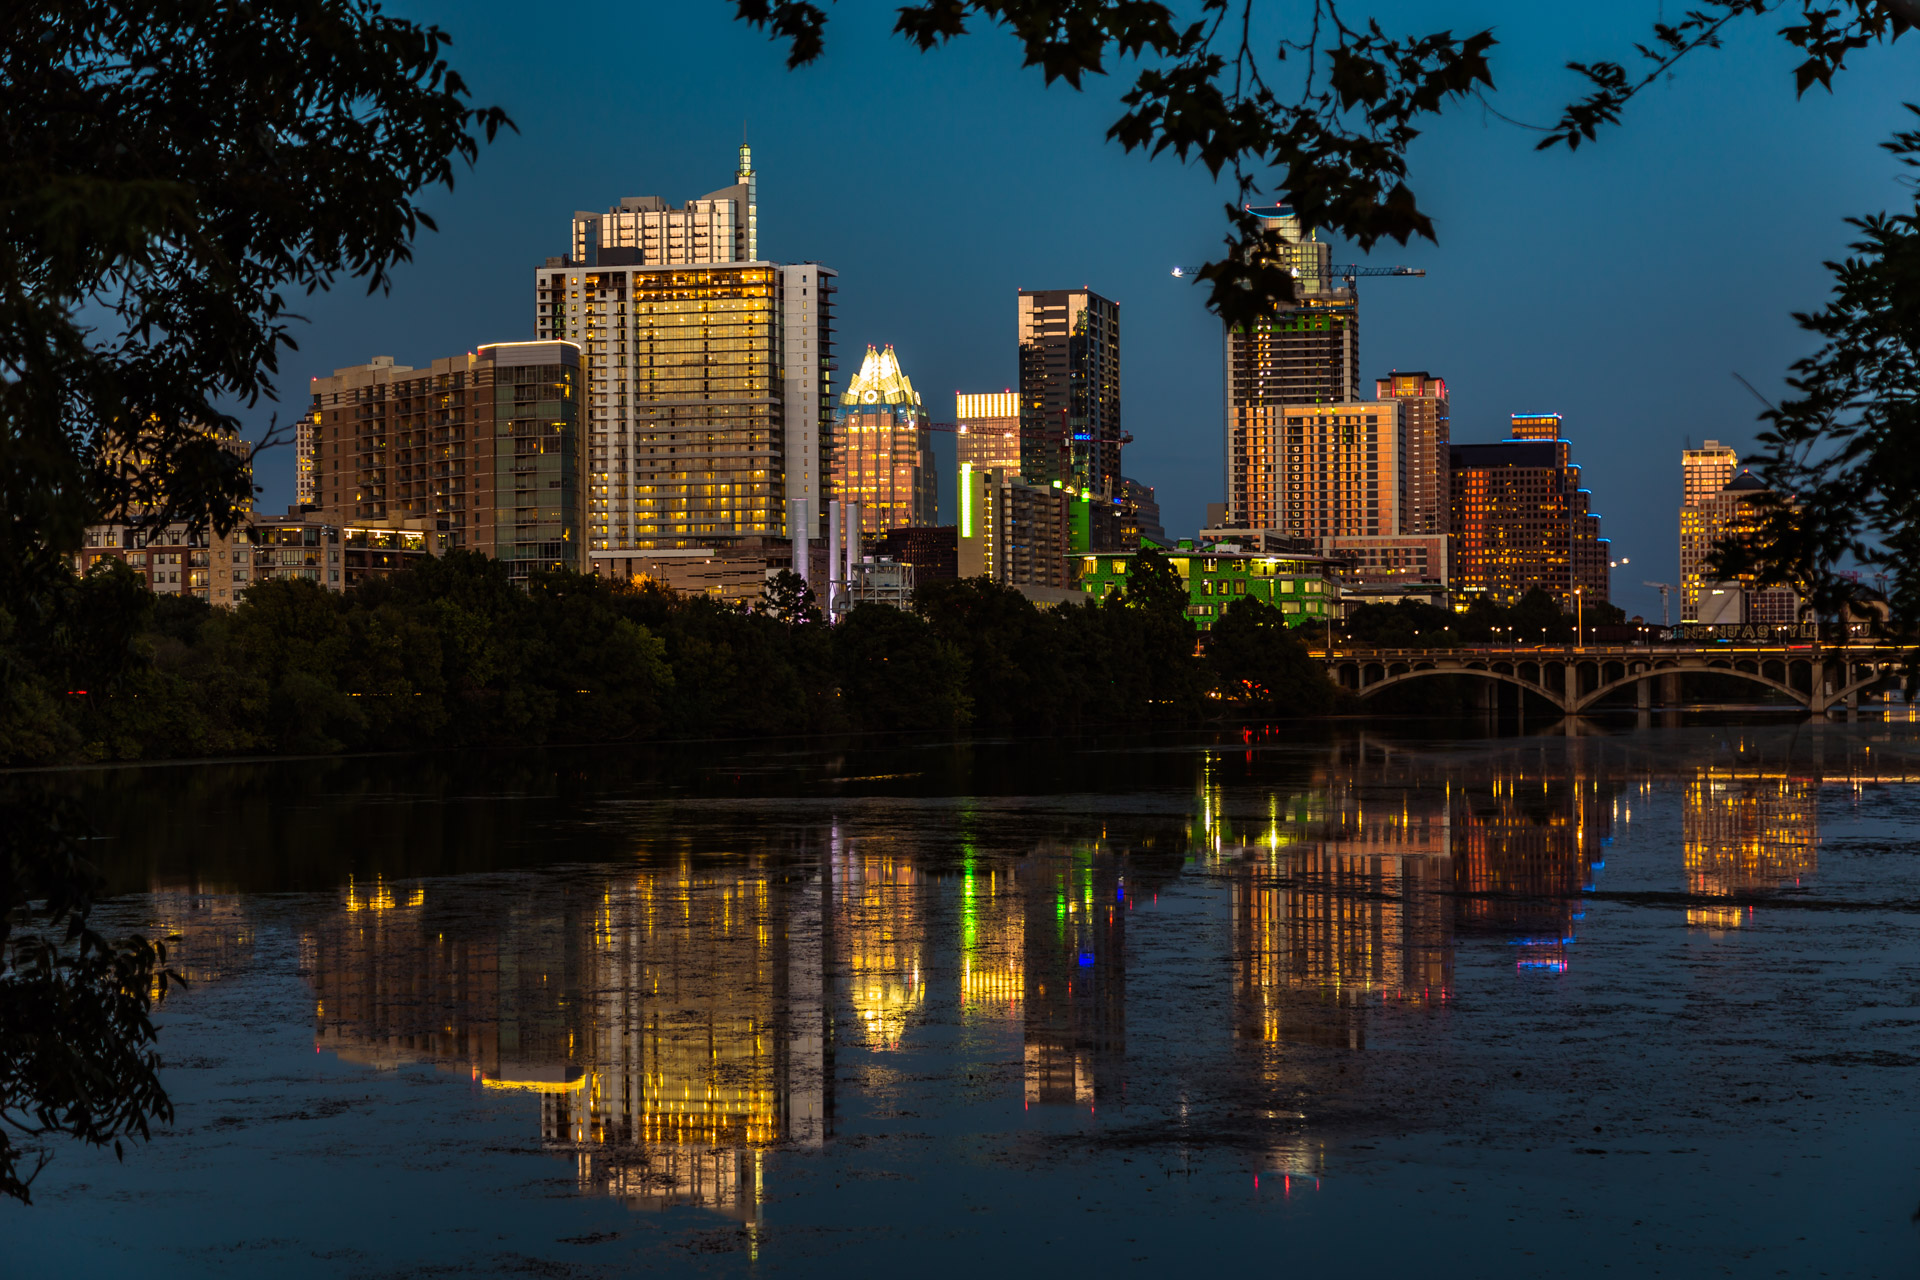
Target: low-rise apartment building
(1217, 574)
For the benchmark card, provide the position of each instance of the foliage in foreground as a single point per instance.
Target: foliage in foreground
(1320, 104)
(172, 176)
(1846, 443)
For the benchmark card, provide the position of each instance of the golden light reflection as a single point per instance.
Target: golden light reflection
(671, 1024)
(1338, 902)
(1747, 831)
(879, 918)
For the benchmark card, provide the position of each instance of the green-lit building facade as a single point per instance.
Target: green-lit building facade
(1298, 586)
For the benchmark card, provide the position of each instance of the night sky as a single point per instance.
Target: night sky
(1622, 285)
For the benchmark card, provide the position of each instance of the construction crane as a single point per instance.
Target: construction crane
(1126, 437)
(1666, 614)
(1349, 272)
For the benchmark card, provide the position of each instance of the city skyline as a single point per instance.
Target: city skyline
(1518, 306)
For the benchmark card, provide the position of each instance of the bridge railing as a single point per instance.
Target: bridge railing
(1865, 651)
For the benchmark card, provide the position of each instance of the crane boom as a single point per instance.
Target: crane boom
(1349, 270)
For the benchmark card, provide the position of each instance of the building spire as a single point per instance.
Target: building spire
(745, 177)
(880, 381)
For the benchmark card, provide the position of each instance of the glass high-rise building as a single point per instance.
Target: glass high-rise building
(706, 409)
(884, 460)
(987, 429)
(1070, 428)
(1307, 354)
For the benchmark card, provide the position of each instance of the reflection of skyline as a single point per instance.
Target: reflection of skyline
(1074, 948)
(672, 1024)
(1525, 848)
(209, 936)
(882, 939)
(1746, 830)
(1337, 903)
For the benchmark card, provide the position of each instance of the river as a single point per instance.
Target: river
(1345, 999)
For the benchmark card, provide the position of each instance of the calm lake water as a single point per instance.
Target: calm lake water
(1340, 1000)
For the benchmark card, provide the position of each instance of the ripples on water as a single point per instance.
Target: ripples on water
(1633, 1001)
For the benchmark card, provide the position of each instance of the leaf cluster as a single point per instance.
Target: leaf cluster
(76, 1031)
(1207, 90)
(1842, 453)
(171, 176)
(1824, 31)
(1324, 116)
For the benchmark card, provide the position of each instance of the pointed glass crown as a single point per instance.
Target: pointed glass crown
(880, 381)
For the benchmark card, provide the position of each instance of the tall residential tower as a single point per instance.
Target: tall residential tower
(1070, 428)
(706, 412)
(1424, 436)
(480, 452)
(1706, 471)
(1307, 354)
(721, 226)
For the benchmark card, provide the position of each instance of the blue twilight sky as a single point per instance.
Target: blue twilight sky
(1622, 285)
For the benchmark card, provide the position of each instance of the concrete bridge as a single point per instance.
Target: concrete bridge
(1575, 677)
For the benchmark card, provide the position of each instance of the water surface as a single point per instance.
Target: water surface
(1356, 1000)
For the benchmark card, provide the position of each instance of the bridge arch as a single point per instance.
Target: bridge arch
(1586, 700)
(1503, 677)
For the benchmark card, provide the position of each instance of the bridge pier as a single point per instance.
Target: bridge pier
(1670, 689)
(1643, 695)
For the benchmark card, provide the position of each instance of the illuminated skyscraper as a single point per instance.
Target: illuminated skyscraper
(1706, 471)
(885, 457)
(706, 410)
(1305, 355)
(1734, 514)
(1521, 520)
(1012, 532)
(987, 429)
(721, 226)
(1070, 427)
(1336, 471)
(1424, 435)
